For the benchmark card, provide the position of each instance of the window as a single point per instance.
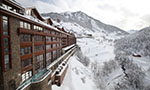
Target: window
(48, 58)
(38, 38)
(12, 85)
(6, 56)
(26, 63)
(5, 25)
(25, 51)
(47, 31)
(5, 42)
(6, 62)
(48, 47)
(39, 63)
(53, 32)
(54, 55)
(54, 45)
(25, 25)
(48, 39)
(21, 24)
(29, 26)
(58, 53)
(54, 38)
(6, 50)
(38, 48)
(37, 28)
(25, 38)
(26, 75)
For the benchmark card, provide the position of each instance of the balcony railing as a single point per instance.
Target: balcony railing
(35, 79)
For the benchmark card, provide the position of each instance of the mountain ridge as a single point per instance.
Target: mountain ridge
(84, 20)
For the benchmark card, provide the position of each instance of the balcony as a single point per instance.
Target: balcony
(37, 80)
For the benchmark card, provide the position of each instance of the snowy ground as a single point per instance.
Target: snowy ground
(78, 77)
(95, 50)
(98, 48)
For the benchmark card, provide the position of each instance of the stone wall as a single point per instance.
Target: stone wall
(15, 72)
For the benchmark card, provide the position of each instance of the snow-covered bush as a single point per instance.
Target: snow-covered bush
(133, 75)
(83, 59)
(102, 72)
(109, 67)
(99, 80)
(148, 70)
(138, 43)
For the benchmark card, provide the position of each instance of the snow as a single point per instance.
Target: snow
(98, 48)
(143, 62)
(78, 77)
(96, 51)
(66, 48)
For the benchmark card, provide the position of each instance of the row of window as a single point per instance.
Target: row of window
(26, 75)
(52, 46)
(38, 48)
(28, 26)
(39, 59)
(38, 28)
(28, 38)
(25, 38)
(38, 38)
(56, 45)
(5, 31)
(25, 25)
(47, 31)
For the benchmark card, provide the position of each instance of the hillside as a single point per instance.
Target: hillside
(136, 43)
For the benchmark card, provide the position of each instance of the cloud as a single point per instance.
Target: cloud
(125, 14)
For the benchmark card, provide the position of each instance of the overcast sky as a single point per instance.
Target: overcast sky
(125, 14)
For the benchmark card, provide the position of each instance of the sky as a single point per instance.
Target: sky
(125, 14)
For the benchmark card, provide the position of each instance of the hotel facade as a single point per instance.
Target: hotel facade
(34, 52)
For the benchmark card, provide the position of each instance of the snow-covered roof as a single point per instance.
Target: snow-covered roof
(35, 11)
(14, 2)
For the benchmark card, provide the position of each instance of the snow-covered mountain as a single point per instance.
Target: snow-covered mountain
(85, 22)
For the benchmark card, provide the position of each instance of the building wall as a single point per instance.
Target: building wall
(15, 72)
(1, 71)
(13, 75)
